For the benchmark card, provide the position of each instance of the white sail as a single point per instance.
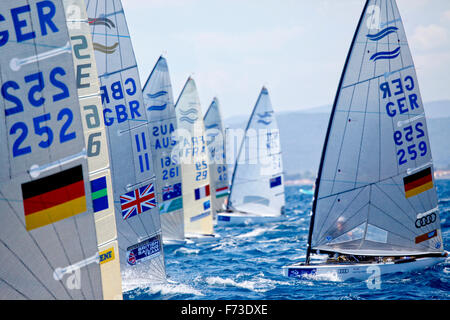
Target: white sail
(158, 99)
(257, 183)
(48, 242)
(217, 157)
(193, 155)
(374, 192)
(128, 132)
(97, 152)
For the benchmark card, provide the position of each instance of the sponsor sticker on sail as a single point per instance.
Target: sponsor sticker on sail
(418, 182)
(54, 198)
(426, 236)
(107, 255)
(144, 250)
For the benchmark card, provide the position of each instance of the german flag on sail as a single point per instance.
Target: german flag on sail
(54, 198)
(418, 182)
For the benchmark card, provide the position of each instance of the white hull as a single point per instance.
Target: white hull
(195, 237)
(240, 218)
(174, 242)
(357, 271)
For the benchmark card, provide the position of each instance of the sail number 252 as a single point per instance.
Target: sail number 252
(408, 150)
(10, 92)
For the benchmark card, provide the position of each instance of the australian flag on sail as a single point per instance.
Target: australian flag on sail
(137, 201)
(172, 191)
(275, 182)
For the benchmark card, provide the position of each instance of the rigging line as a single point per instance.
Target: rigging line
(27, 268)
(365, 185)
(343, 211)
(14, 289)
(16, 214)
(398, 206)
(345, 223)
(386, 214)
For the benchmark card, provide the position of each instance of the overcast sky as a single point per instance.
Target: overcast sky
(297, 48)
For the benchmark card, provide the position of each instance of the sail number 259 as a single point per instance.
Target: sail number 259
(10, 92)
(408, 150)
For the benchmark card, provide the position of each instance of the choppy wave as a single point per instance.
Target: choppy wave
(246, 263)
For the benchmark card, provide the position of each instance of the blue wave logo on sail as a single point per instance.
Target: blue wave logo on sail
(386, 55)
(190, 115)
(265, 122)
(263, 116)
(214, 125)
(383, 33)
(157, 108)
(157, 94)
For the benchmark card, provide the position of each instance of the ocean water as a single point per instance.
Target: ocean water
(245, 264)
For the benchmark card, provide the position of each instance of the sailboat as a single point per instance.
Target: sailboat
(217, 156)
(375, 208)
(257, 190)
(128, 136)
(96, 146)
(48, 238)
(158, 99)
(192, 153)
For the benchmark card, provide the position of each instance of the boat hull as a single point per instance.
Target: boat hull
(239, 218)
(196, 238)
(358, 271)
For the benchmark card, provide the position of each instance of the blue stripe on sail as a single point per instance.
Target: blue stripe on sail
(264, 122)
(157, 94)
(265, 114)
(214, 125)
(187, 119)
(189, 111)
(157, 108)
(200, 216)
(383, 33)
(385, 55)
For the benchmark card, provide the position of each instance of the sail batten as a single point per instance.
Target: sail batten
(376, 138)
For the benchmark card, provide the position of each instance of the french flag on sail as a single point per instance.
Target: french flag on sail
(202, 192)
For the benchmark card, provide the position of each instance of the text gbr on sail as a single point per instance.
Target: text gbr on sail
(119, 92)
(22, 26)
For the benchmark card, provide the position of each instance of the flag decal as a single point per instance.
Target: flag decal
(274, 182)
(426, 236)
(418, 182)
(137, 201)
(202, 192)
(222, 192)
(54, 198)
(99, 194)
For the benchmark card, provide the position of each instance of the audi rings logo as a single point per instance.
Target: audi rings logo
(426, 220)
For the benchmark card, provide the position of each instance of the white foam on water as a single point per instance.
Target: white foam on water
(184, 250)
(260, 284)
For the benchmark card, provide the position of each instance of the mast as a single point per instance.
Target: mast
(322, 157)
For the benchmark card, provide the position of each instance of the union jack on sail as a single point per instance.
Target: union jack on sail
(137, 201)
